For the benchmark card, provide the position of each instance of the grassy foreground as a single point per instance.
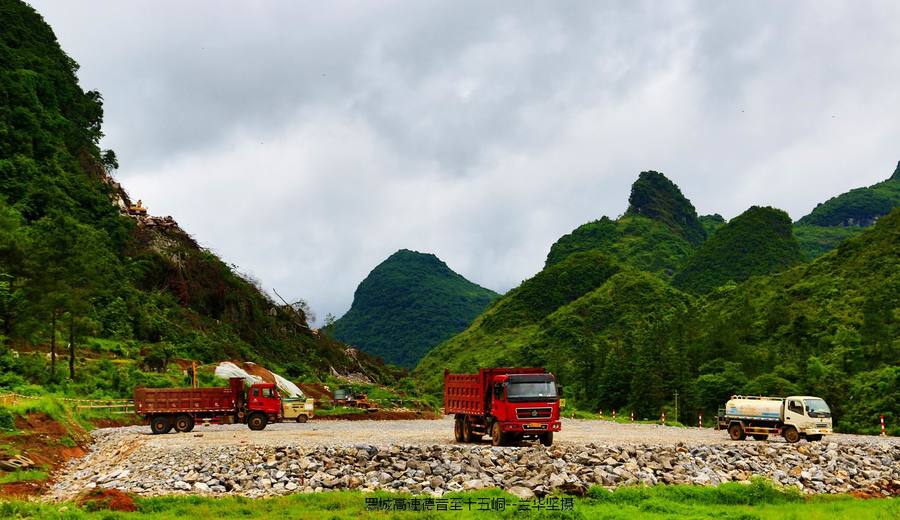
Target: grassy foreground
(757, 500)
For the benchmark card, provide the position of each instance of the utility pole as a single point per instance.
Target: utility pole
(676, 405)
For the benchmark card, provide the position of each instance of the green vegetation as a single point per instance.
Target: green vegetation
(858, 207)
(638, 241)
(757, 242)
(623, 338)
(76, 274)
(711, 223)
(407, 305)
(815, 241)
(655, 196)
(756, 500)
(31, 475)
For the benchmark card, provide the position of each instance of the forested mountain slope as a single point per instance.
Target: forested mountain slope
(407, 305)
(75, 268)
(626, 339)
(845, 216)
(756, 242)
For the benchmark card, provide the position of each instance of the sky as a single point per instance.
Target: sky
(306, 141)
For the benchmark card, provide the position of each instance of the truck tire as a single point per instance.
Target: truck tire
(184, 423)
(160, 424)
(760, 437)
(302, 418)
(458, 429)
(467, 432)
(736, 432)
(257, 421)
(791, 434)
(547, 439)
(813, 438)
(498, 438)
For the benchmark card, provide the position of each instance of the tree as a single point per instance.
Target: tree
(70, 265)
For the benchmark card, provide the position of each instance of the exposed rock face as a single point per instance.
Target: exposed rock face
(435, 470)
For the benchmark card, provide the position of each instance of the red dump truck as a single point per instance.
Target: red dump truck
(509, 404)
(180, 408)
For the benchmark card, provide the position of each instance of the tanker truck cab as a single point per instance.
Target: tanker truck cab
(793, 417)
(525, 406)
(808, 416)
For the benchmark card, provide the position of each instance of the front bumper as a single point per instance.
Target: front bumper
(531, 427)
(818, 431)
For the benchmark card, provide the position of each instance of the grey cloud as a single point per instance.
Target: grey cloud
(337, 132)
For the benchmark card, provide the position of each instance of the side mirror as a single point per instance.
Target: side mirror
(559, 390)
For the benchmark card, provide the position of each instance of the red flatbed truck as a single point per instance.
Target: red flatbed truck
(180, 408)
(509, 404)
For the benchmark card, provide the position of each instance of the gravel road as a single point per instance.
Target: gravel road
(430, 432)
(420, 456)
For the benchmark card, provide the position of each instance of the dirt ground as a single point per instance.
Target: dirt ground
(439, 431)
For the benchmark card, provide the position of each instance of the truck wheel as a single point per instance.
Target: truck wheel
(184, 423)
(736, 432)
(760, 437)
(547, 439)
(257, 421)
(791, 434)
(458, 429)
(467, 432)
(302, 418)
(813, 438)
(497, 436)
(160, 424)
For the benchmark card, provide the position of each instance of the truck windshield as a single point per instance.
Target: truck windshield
(817, 408)
(532, 391)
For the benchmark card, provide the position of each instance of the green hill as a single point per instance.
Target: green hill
(655, 196)
(657, 233)
(75, 269)
(845, 216)
(408, 304)
(759, 241)
(858, 207)
(826, 328)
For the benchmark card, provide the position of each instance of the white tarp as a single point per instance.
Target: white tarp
(227, 370)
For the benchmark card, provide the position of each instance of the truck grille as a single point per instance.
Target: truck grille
(533, 413)
(821, 426)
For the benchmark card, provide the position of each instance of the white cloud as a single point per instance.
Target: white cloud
(306, 141)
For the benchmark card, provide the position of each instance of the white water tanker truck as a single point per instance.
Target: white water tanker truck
(792, 417)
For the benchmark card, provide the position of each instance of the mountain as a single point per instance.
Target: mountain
(79, 267)
(624, 338)
(655, 196)
(657, 233)
(845, 216)
(408, 304)
(858, 207)
(759, 241)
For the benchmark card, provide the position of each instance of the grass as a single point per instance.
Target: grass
(31, 475)
(758, 500)
(339, 410)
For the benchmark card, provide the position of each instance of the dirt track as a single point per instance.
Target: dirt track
(428, 432)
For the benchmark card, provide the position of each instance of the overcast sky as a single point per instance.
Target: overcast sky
(307, 141)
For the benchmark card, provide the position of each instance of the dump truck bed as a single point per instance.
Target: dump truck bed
(189, 400)
(468, 393)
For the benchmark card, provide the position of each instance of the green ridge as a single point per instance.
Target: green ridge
(759, 241)
(408, 304)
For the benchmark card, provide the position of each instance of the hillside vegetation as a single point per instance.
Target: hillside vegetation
(758, 241)
(858, 207)
(407, 305)
(846, 215)
(755, 320)
(75, 271)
